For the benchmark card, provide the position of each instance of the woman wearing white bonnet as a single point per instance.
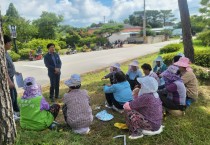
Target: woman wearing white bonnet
(144, 113)
(77, 111)
(159, 65)
(133, 73)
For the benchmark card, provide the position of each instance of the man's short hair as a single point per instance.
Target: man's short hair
(50, 44)
(7, 39)
(146, 66)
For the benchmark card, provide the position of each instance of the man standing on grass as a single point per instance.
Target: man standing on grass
(11, 72)
(53, 63)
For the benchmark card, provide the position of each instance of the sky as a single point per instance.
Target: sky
(82, 13)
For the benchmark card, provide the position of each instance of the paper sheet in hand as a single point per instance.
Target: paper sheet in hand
(19, 80)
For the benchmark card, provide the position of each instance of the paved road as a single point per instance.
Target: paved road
(86, 62)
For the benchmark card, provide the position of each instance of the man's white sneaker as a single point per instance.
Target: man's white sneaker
(150, 133)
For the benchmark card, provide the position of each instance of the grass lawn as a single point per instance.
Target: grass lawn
(191, 129)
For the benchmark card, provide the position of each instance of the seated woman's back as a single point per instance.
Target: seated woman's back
(78, 108)
(177, 92)
(149, 106)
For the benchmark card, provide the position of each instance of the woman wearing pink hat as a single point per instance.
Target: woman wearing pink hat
(188, 77)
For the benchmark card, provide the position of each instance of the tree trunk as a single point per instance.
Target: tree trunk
(7, 123)
(186, 29)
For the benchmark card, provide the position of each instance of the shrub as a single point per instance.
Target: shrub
(24, 53)
(62, 51)
(35, 43)
(62, 44)
(168, 58)
(85, 49)
(92, 46)
(170, 48)
(14, 56)
(202, 57)
(201, 72)
(205, 38)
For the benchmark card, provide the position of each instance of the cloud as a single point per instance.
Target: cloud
(84, 12)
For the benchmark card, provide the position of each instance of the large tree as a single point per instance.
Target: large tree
(47, 25)
(25, 30)
(186, 29)
(12, 12)
(154, 18)
(198, 23)
(205, 10)
(7, 124)
(108, 29)
(167, 16)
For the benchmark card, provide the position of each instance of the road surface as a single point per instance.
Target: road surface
(85, 62)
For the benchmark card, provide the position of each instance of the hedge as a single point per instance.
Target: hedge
(168, 57)
(24, 53)
(205, 38)
(35, 43)
(14, 56)
(201, 72)
(170, 48)
(202, 57)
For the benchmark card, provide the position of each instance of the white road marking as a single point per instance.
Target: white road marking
(35, 66)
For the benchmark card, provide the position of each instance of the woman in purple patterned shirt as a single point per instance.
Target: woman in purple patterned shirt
(144, 113)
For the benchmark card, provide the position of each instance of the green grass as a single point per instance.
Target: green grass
(191, 129)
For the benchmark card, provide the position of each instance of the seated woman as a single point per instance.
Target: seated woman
(144, 113)
(113, 69)
(35, 111)
(147, 69)
(188, 77)
(159, 66)
(121, 92)
(77, 111)
(175, 98)
(133, 73)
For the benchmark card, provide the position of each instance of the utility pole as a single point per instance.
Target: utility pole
(144, 24)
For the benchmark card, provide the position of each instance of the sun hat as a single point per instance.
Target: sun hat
(74, 80)
(183, 62)
(32, 82)
(148, 85)
(116, 65)
(134, 63)
(31, 88)
(159, 58)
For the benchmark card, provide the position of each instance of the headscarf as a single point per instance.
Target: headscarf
(148, 85)
(170, 75)
(32, 90)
